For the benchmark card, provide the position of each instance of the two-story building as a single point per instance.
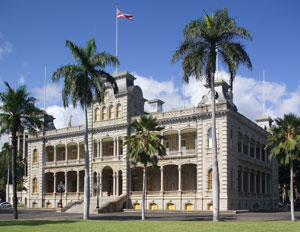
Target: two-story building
(183, 178)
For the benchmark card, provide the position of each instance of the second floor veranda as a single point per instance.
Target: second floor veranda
(177, 143)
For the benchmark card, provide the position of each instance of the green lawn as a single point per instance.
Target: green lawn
(151, 226)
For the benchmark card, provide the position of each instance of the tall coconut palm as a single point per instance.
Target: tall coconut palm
(18, 112)
(285, 146)
(84, 83)
(145, 147)
(203, 40)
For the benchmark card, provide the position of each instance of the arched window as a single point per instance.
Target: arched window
(240, 138)
(97, 115)
(231, 139)
(35, 156)
(210, 179)
(189, 207)
(239, 180)
(104, 113)
(252, 147)
(258, 150)
(209, 135)
(119, 111)
(263, 152)
(137, 206)
(246, 145)
(35, 185)
(111, 112)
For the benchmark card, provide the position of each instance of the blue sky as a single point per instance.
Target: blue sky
(33, 33)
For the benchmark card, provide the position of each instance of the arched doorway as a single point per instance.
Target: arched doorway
(107, 181)
(137, 179)
(49, 185)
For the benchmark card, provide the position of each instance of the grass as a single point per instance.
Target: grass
(146, 226)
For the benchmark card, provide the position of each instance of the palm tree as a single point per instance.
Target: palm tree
(85, 83)
(145, 147)
(18, 112)
(285, 146)
(203, 40)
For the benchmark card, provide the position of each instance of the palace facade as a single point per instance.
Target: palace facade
(183, 178)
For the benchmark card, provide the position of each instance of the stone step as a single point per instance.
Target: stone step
(93, 204)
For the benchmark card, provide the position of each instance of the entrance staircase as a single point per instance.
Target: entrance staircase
(106, 204)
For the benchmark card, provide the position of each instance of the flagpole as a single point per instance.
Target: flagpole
(264, 97)
(45, 83)
(116, 36)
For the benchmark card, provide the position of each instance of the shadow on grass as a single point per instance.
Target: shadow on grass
(34, 222)
(160, 217)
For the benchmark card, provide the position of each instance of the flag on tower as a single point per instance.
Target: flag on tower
(122, 15)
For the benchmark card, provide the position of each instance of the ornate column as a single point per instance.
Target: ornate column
(117, 187)
(98, 148)
(179, 178)
(78, 179)
(66, 182)
(66, 152)
(24, 147)
(100, 182)
(54, 154)
(93, 149)
(19, 143)
(54, 182)
(179, 141)
(114, 184)
(78, 152)
(115, 145)
(162, 178)
(101, 149)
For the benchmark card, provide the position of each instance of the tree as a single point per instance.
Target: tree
(285, 146)
(145, 146)
(203, 40)
(85, 83)
(5, 163)
(18, 112)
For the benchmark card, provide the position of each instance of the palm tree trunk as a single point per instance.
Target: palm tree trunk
(14, 175)
(215, 177)
(292, 191)
(86, 206)
(144, 193)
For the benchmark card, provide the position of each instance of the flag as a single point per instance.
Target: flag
(122, 15)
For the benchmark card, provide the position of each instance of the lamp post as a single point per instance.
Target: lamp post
(97, 186)
(61, 189)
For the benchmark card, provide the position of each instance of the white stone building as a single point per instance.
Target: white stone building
(182, 179)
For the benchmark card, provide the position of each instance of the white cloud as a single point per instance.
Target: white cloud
(247, 97)
(165, 90)
(21, 80)
(62, 115)
(5, 46)
(247, 93)
(53, 94)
